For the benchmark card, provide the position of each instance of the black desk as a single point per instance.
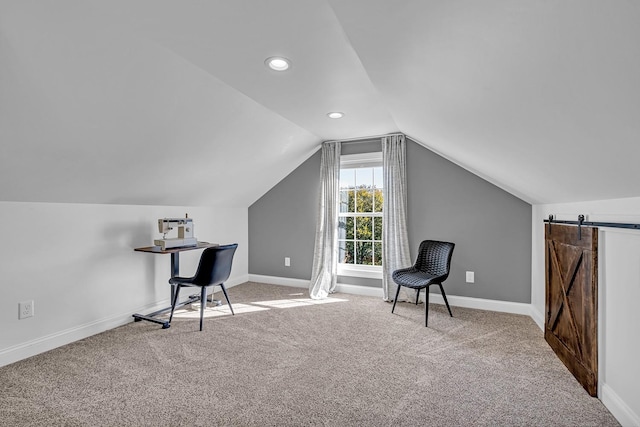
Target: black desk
(175, 271)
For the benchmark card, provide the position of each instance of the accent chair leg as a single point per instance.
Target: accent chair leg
(445, 299)
(417, 296)
(175, 301)
(227, 297)
(426, 306)
(203, 303)
(395, 300)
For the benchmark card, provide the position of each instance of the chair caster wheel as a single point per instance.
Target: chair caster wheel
(166, 325)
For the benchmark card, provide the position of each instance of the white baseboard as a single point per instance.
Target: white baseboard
(483, 304)
(301, 283)
(304, 284)
(67, 336)
(58, 339)
(234, 281)
(467, 302)
(282, 281)
(619, 408)
(537, 317)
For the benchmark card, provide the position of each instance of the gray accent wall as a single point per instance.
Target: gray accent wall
(490, 227)
(282, 223)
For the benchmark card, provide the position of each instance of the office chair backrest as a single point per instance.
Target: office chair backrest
(215, 265)
(434, 257)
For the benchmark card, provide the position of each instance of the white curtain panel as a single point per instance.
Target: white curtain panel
(325, 259)
(395, 242)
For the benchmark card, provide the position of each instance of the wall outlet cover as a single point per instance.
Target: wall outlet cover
(25, 309)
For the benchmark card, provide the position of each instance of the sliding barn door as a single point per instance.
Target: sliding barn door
(571, 326)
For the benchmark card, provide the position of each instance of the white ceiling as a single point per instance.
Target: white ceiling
(169, 102)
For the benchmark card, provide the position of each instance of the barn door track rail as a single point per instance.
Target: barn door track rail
(581, 222)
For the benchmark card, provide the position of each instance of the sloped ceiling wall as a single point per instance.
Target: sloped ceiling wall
(169, 102)
(540, 97)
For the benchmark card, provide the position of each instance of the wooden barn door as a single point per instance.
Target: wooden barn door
(571, 321)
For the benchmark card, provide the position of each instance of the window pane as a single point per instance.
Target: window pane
(345, 252)
(364, 253)
(378, 200)
(378, 177)
(350, 223)
(364, 177)
(377, 228)
(377, 253)
(364, 228)
(347, 200)
(364, 200)
(347, 178)
(342, 228)
(344, 200)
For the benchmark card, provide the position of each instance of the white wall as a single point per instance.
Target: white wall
(619, 296)
(76, 261)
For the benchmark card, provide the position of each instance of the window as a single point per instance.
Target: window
(360, 215)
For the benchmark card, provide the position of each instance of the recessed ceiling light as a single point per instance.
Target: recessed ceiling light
(278, 63)
(335, 115)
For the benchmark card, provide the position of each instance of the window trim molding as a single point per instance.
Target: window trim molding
(359, 270)
(361, 160)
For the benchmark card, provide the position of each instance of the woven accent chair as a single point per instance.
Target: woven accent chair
(213, 270)
(431, 268)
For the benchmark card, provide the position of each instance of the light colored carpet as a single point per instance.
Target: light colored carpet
(342, 363)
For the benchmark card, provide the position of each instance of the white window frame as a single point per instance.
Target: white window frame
(352, 161)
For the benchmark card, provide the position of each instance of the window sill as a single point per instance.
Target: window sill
(365, 271)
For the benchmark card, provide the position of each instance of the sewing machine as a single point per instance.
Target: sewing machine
(185, 233)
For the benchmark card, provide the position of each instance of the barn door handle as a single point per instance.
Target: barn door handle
(580, 221)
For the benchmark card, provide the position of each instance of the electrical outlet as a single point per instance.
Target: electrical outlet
(287, 261)
(25, 309)
(470, 277)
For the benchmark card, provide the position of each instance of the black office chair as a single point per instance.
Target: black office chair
(214, 269)
(431, 268)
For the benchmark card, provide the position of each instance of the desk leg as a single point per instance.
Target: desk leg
(164, 322)
(175, 270)
(175, 264)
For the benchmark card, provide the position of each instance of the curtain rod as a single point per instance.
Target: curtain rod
(365, 138)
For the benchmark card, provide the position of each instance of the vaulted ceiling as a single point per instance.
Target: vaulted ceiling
(169, 102)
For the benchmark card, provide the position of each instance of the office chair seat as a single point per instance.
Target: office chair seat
(213, 270)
